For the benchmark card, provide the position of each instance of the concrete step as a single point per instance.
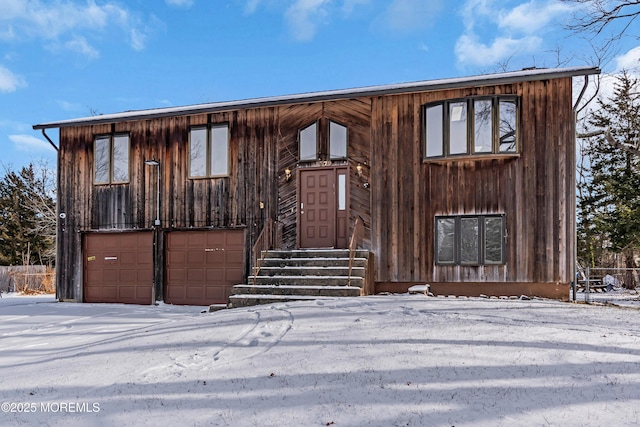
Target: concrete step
(308, 280)
(326, 291)
(311, 271)
(236, 301)
(315, 253)
(313, 262)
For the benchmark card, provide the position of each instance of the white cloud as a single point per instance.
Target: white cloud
(29, 143)
(80, 45)
(10, 82)
(494, 33)
(67, 23)
(304, 16)
(471, 51)
(531, 17)
(180, 3)
(629, 61)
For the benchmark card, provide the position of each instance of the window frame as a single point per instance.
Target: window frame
(443, 148)
(317, 142)
(209, 150)
(480, 241)
(111, 158)
(329, 139)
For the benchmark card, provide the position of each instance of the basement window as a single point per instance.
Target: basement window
(470, 240)
(209, 151)
(471, 126)
(111, 159)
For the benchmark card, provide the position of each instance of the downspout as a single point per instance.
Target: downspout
(44, 133)
(575, 204)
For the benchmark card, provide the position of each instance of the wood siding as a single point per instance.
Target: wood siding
(535, 190)
(398, 195)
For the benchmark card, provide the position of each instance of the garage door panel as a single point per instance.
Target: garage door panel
(202, 271)
(216, 292)
(216, 258)
(118, 268)
(196, 275)
(234, 275)
(196, 257)
(234, 257)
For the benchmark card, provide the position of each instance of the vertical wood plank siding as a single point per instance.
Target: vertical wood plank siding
(397, 196)
(534, 190)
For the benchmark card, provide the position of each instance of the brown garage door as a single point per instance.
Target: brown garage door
(118, 267)
(202, 266)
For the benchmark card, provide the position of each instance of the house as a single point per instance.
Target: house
(467, 184)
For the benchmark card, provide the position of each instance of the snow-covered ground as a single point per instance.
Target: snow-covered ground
(403, 360)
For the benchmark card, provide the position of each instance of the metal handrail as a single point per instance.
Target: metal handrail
(264, 242)
(357, 237)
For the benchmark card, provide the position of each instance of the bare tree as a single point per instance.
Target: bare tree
(595, 16)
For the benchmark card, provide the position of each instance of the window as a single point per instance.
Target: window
(111, 159)
(322, 140)
(309, 143)
(470, 240)
(209, 151)
(337, 141)
(475, 126)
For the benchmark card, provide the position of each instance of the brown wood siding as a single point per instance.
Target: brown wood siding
(534, 190)
(397, 196)
(356, 115)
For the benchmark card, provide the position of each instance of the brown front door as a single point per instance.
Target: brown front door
(323, 211)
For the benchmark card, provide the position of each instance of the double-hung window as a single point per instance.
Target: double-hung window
(209, 151)
(471, 126)
(470, 240)
(111, 159)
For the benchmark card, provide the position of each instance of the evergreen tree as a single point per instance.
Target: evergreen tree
(609, 205)
(27, 217)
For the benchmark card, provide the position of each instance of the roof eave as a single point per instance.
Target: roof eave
(453, 83)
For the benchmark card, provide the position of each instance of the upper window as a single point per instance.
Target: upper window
(314, 146)
(111, 159)
(470, 240)
(309, 142)
(337, 141)
(209, 151)
(471, 127)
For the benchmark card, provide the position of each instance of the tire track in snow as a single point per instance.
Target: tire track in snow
(266, 331)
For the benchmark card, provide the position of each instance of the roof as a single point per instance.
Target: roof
(421, 86)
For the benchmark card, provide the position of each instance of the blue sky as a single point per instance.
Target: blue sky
(64, 59)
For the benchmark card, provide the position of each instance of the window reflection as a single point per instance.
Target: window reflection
(457, 128)
(337, 141)
(308, 143)
(482, 138)
(198, 152)
(434, 131)
(507, 122)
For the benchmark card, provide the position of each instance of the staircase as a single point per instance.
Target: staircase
(289, 275)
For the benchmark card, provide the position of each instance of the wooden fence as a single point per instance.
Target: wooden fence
(27, 279)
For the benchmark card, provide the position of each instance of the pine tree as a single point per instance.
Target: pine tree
(27, 207)
(609, 206)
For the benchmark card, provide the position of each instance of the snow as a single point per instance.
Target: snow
(396, 360)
